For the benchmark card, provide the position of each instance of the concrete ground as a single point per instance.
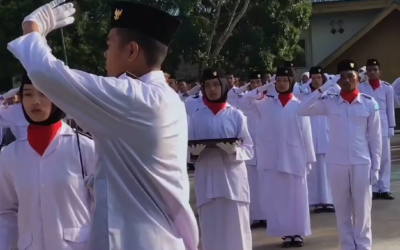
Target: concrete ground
(385, 220)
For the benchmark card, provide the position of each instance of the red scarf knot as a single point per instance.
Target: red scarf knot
(215, 107)
(375, 83)
(349, 96)
(285, 98)
(40, 137)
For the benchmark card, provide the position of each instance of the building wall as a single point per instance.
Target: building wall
(382, 43)
(324, 42)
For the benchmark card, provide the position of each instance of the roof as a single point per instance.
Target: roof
(384, 13)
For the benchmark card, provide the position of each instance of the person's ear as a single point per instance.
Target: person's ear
(133, 51)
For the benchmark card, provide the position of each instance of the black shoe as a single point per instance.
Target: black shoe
(387, 196)
(257, 224)
(297, 241)
(287, 242)
(263, 223)
(318, 209)
(376, 196)
(329, 208)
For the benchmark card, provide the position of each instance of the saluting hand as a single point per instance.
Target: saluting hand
(50, 16)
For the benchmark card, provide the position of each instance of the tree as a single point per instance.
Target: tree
(267, 35)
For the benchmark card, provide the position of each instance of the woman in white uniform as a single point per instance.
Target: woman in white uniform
(285, 154)
(257, 216)
(319, 191)
(45, 203)
(221, 184)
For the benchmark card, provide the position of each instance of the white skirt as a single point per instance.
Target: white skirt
(286, 204)
(225, 225)
(256, 212)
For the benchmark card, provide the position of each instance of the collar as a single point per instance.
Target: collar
(157, 75)
(65, 130)
(358, 99)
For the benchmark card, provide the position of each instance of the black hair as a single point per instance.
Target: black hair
(154, 51)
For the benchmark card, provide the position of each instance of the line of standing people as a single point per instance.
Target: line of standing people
(323, 144)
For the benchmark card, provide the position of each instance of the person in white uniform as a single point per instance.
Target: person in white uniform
(285, 154)
(383, 94)
(319, 191)
(353, 155)
(45, 203)
(141, 189)
(257, 215)
(221, 184)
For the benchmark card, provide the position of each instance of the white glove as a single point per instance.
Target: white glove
(196, 149)
(391, 132)
(309, 167)
(241, 89)
(52, 16)
(194, 90)
(265, 87)
(228, 147)
(374, 176)
(10, 93)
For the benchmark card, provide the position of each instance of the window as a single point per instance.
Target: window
(301, 58)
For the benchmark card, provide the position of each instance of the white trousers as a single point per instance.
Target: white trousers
(352, 197)
(225, 225)
(319, 189)
(383, 184)
(256, 212)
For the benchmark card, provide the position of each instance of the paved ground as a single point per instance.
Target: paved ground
(385, 220)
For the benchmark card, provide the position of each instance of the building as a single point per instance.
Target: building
(353, 29)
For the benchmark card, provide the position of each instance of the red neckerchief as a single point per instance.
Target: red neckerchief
(40, 137)
(375, 83)
(349, 96)
(285, 98)
(214, 106)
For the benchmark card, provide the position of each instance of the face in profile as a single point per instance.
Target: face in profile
(119, 53)
(282, 83)
(37, 106)
(348, 80)
(213, 89)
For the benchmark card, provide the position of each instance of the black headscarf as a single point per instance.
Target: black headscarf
(219, 74)
(288, 72)
(55, 116)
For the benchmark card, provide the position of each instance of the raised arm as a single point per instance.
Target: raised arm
(11, 116)
(248, 103)
(314, 104)
(99, 101)
(8, 207)
(374, 136)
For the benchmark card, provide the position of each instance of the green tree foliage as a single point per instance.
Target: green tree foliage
(238, 34)
(267, 35)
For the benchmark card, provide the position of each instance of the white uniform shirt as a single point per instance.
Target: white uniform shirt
(284, 140)
(354, 129)
(384, 97)
(44, 201)
(217, 173)
(193, 103)
(140, 130)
